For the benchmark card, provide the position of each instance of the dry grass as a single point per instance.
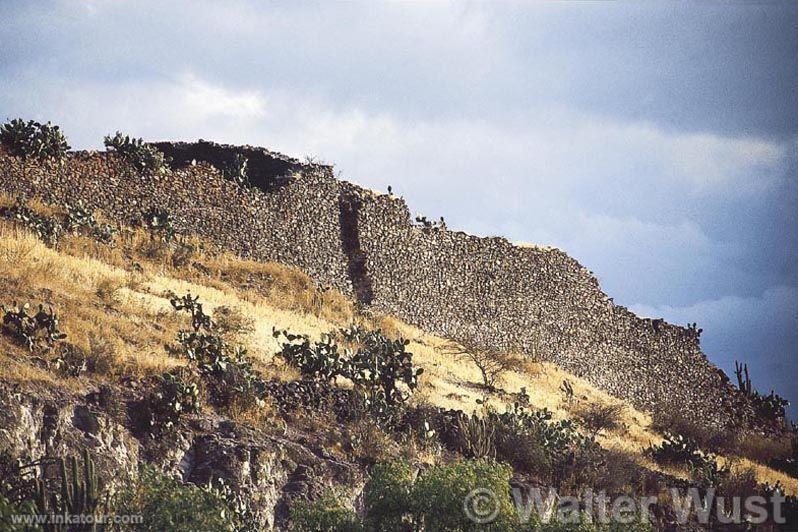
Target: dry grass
(113, 303)
(598, 417)
(760, 449)
(17, 370)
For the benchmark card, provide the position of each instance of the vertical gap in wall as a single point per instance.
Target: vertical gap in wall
(349, 207)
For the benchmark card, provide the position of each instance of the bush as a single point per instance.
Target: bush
(324, 515)
(48, 230)
(199, 320)
(143, 157)
(596, 417)
(160, 224)
(225, 369)
(680, 450)
(33, 140)
(670, 421)
(439, 496)
(532, 441)
(492, 363)
(39, 330)
(70, 361)
(167, 504)
(789, 463)
(387, 497)
(317, 361)
(772, 406)
(171, 399)
(739, 482)
(438, 501)
(80, 220)
(9, 511)
(377, 366)
(231, 322)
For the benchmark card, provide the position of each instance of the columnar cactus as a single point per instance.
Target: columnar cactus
(79, 494)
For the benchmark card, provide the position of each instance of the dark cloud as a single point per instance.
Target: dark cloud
(657, 143)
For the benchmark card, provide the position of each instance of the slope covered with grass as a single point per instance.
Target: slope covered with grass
(113, 303)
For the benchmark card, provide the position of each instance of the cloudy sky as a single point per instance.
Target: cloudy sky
(658, 144)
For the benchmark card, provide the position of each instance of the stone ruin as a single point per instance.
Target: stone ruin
(485, 291)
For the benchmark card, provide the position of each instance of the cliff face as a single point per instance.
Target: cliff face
(482, 290)
(270, 469)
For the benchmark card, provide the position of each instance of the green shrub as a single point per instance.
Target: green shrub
(380, 365)
(160, 224)
(324, 515)
(167, 504)
(597, 417)
(78, 221)
(318, 361)
(70, 361)
(789, 463)
(171, 399)
(532, 441)
(81, 221)
(670, 420)
(439, 501)
(33, 140)
(199, 320)
(584, 525)
(225, 369)
(772, 406)
(680, 450)
(387, 497)
(142, 156)
(439, 496)
(48, 230)
(39, 330)
(10, 512)
(379, 368)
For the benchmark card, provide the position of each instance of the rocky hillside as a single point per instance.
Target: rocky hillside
(482, 291)
(201, 390)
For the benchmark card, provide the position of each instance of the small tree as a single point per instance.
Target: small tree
(596, 417)
(492, 362)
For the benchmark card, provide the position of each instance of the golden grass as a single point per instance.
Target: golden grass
(14, 369)
(113, 303)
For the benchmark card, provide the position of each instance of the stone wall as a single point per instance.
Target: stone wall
(296, 223)
(482, 290)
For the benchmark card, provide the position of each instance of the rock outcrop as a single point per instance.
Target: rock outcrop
(268, 471)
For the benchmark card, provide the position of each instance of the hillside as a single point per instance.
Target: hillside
(276, 434)
(483, 291)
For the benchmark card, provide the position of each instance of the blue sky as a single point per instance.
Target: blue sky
(656, 143)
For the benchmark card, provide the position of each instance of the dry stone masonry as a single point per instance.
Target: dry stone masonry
(484, 290)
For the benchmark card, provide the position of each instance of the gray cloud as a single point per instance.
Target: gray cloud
(658, 145)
